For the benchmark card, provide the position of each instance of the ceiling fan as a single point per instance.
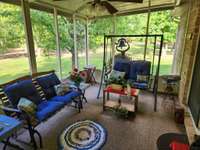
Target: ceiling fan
(106, 4)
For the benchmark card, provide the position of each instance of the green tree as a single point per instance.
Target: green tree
(11, 27)
(162, 22)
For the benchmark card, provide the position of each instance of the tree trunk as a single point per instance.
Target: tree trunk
(73, 58)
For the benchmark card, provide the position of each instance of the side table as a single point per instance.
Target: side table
(112, 104)
(82, 88)
(8, 126)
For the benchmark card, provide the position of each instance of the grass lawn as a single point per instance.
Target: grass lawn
(16, 67)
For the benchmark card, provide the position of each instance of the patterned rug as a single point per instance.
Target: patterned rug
(83, 135)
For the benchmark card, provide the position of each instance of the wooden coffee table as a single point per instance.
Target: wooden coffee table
(132, 106)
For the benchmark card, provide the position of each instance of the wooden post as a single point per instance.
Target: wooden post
(58, 50)
(75, 40)
(86, 43)
(147, 30)
(29, 36)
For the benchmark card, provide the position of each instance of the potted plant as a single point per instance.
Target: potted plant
(121, 112)
(77, 76)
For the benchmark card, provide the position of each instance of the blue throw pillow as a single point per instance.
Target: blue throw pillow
(29, 91)
(20, 89)
(47, 83)
(139, 67)
(13, 93)
(122, 67)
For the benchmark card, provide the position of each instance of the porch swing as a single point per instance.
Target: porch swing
(140, 74)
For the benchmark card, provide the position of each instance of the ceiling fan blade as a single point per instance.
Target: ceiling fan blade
(111, 9)
(130, 1)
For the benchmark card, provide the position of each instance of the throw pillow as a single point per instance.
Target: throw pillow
(117, 74)
(27, 106)
(39, 89)
(61, 89)
(142, 78)
(4, 99)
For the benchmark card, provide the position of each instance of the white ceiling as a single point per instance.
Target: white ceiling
(81, 8)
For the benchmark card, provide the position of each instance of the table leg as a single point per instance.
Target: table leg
(83, 96)
(103, 101)
(80, 105)
(136, 103)
(108, 96)
(93, 78)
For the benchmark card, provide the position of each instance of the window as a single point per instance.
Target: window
(162, 22)
(97, 29)
(13, 54)
(133, 25)
(80, 29)
(44, 40)
(66, 44)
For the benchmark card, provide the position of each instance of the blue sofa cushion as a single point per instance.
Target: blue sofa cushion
(122, 66)
(47, 83)
(140, 85)
(67, 98)
(24, 89)
(139, 67)
(46, 109)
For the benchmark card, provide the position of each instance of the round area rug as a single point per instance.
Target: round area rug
(83, 135)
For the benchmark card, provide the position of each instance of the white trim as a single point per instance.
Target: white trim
(29, 36)
(86, 43)
(58, 50)
(197, 130)
(75, 41)
(147, 29)
(113, 39)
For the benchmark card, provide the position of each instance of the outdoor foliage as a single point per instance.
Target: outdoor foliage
(12, 39)
(11, 28)
(44, 34)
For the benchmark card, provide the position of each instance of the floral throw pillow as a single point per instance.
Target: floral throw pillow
(142, 78)
(117, 74)
(61, 89)
(27, 106)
